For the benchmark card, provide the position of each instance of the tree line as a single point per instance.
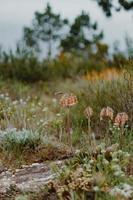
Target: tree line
(48, 27)
(80, 45)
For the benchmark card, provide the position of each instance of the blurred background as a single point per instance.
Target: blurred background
(51, 33)
(14, 15)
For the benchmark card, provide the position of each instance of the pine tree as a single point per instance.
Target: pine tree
(109, 5)
(46, 27)
(82, 34)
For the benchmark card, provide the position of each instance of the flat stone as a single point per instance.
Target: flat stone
(2, 168)
(28, 178)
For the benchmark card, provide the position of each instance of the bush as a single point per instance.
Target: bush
(99, 174)
(16, 142)
(28, 68)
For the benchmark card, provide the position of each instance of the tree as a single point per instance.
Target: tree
(82, 34)
(109, 5)
(46, 27)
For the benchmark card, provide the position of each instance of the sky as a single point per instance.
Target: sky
(15, 14)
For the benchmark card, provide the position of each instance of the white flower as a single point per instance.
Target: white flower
(22, 102)
(105, 162)
(91, 161)
(77, 151)
(115, 160)
(117, 170)
(45, 123)
(119, 173)
(54, 100)
(96, 188)
(15, 102)
(120, 152)
(41, 120)
(103, 151)
(45, 109)
(127, 155)
(58, 114)
(116, 167)
(126, 126)
(2, 96)
(7, 98)
(124, 190)
(39, 103)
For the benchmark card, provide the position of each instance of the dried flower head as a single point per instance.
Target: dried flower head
(106, 113)
(88, 112)
(68, 100)
(121, 119)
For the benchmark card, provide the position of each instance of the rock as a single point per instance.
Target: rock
(28, 178)
(2, 168)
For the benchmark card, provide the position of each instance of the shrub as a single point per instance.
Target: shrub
(16, 142)
(100, 174)
(29, 68)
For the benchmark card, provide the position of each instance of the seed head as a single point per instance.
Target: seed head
(106, 113)
(88, 112)
(121, 119)
(68, 100)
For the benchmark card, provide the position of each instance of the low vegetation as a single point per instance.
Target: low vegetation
(90, 120)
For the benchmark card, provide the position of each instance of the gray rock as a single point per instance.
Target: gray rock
(2, 168)
(28, 178)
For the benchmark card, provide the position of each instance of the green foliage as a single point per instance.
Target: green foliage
(30, 69)
(82, 34)
(21, 197)
(16, 142)
(46, 27)
(110, 5)
(100, 174)
(97, 94)
(24, 67)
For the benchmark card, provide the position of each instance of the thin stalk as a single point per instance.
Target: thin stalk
(89, 130)
(69, 129)
(60, 135)
(121, 136)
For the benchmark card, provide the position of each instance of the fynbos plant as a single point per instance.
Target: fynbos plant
(88, 112)
(107, 115)
(120, 121)
(67, 101)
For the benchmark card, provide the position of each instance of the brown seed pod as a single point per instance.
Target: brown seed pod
(121, 119)
(68, 100)
(106, 113)
(88, 112)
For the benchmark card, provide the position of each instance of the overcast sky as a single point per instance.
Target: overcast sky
(14, 14)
